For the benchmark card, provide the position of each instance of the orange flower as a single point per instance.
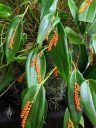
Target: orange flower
(70, 124)
(36, 64)
(53, 41)
(11, 40)
(56, 72)
(25, 113)
(87, 3)
(34, 61)
(77, 97)
(21, 78)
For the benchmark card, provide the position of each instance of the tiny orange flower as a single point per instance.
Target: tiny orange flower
(12, 40)
(56, 72)
(34, 61)
(53, 41)
(21, 78)
(70, 124)
(37, 68)
(77, 97)
(25, 113)
(87, 3)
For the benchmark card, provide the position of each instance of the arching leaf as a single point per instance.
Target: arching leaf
(73, 10)
(13, 38)
(73, 36)
(48, 7)
(75, 78)
(88, 97)
(39, 106)
(31, 73)
(43, 28)
(89, 13)
(60, 54)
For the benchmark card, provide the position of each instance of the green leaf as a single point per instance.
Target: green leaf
(76, 77)
(88, 97)
(93, 42)
(60, 51)
(39, 106)
(73, 36)
(73, 10)
(43, 28)
(82, 121)
(48, 7)
(5, 11)
(89, 13)
(13, 37)
(31, 74)
(80, 56)
(7, 79)
(90, 29)
(90, 72)
(66, 118)
(55, 21)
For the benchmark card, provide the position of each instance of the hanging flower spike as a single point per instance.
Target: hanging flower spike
(53, 41)
(70, 124)
(37, 68)
(87, 3)
(11, 40)
(77, 97)
(91, 56)
(21, 78)
(38, 71)
(25, 113)
(56, 72)
(34, 61)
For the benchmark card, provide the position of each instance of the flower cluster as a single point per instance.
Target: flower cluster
(53, 41)
(70, 124)
(87, 3)
(36, 64)
(25, 112)
(56, 72)
(77, 97)
(11, 40)
(21, 78)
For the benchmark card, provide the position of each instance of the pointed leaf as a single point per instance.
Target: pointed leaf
(89, 13)
(73, 10)
(60, 51)
(43, 28)
(90, 72)
(31, 73)
(48, 7)
(80, 56)
(73, 36)
(13, 38)
(90, 29)
(39, 107)
(66, 118)
(75, 77)
(88, 97)
(93, 42)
